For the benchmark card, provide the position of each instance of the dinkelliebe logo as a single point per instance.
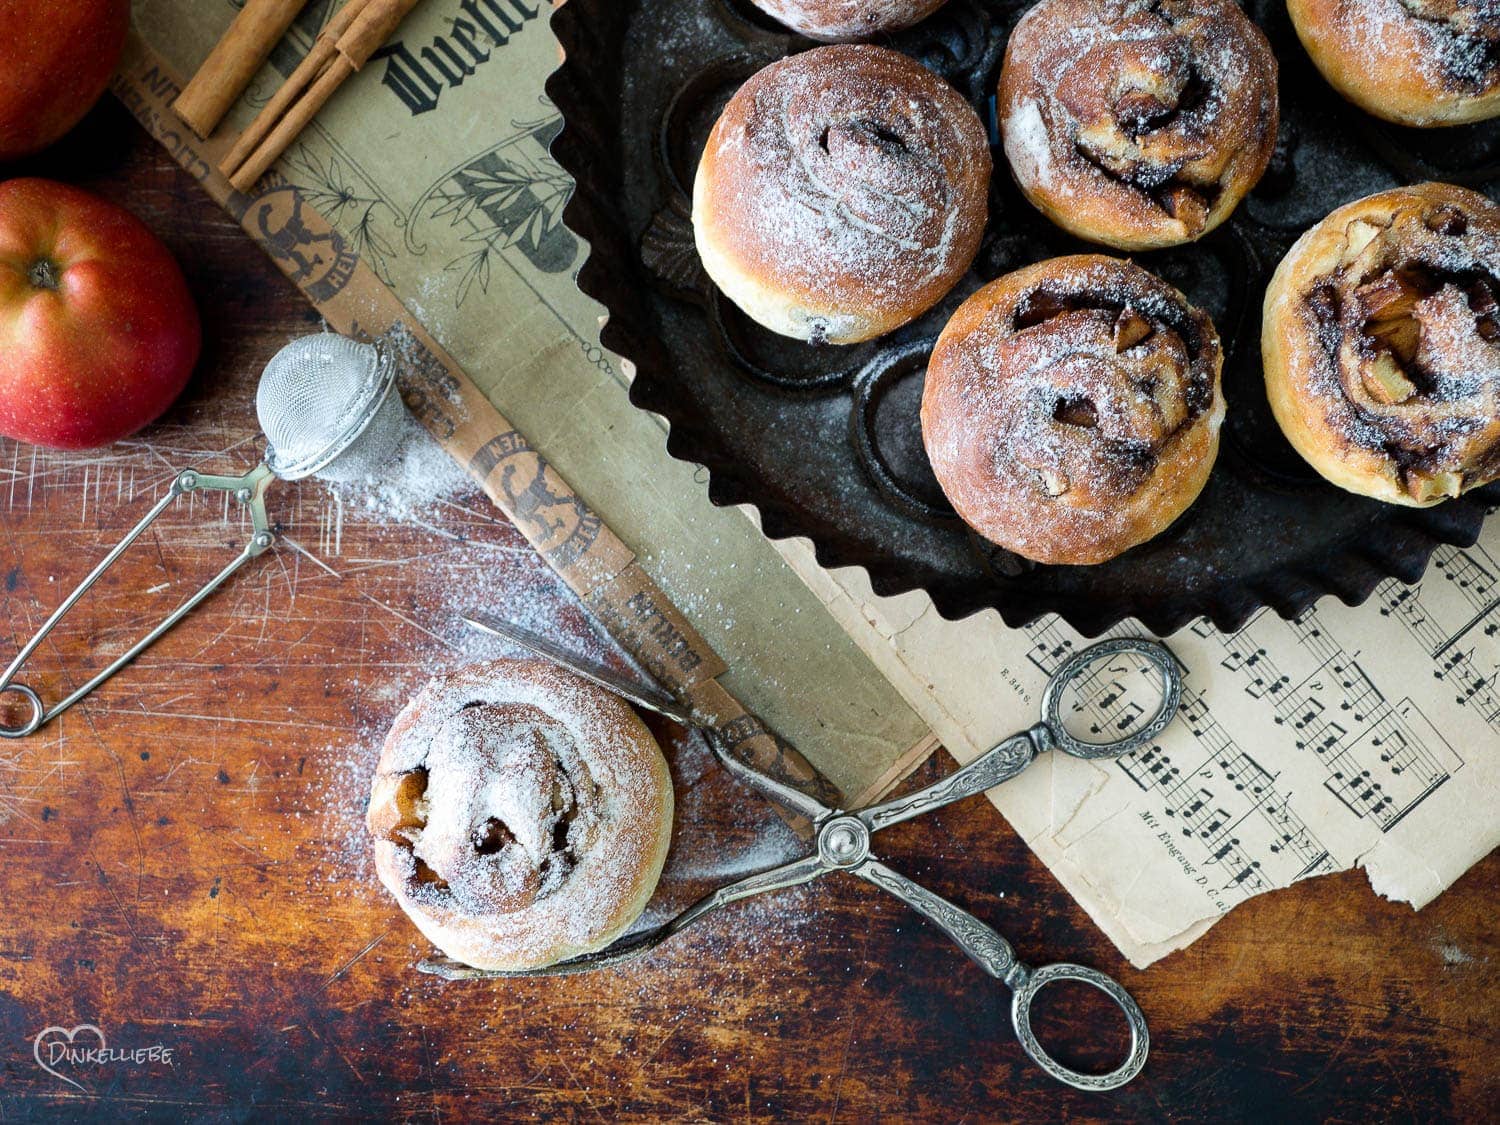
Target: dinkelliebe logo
(66, 1051)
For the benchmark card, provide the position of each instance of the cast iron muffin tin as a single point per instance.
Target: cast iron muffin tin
(826, 441)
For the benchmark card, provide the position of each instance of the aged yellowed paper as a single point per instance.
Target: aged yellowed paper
(1365, 736)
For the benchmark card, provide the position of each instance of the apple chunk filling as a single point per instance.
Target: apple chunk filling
(497, 811)
(1431, 340)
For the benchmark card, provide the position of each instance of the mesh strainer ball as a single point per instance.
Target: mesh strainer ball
(326, 407)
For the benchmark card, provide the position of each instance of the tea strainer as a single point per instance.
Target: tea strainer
(326, 407)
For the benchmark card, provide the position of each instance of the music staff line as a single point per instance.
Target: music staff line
(1226, 804)
(1474, 575)
(1374, 762)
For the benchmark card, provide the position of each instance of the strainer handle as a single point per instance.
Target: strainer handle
(249, 490)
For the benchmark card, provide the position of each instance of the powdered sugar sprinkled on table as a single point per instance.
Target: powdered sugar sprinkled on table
(427, 505)
(421, 476)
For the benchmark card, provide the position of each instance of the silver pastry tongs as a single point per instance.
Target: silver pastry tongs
(843, 840)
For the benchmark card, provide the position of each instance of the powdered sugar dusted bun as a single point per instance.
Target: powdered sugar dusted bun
(1138, 123)
(842, 194)
(1072, 408)
(521, 815)
(1416, 62)
(836, 20)
(1381, 342)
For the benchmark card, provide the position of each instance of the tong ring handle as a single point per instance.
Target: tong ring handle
(38, 712)
(1025, 984)
(1158, 655)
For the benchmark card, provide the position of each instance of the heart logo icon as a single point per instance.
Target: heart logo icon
(51, 1047)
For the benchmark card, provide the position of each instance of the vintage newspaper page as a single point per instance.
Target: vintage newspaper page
(1366, 736)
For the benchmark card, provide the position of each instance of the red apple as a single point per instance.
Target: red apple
(56, 57)
(98, 332)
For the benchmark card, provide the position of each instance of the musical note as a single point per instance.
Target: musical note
(1463, 568)
(1369, 756)
(1310, 712)
(1052, 647)
(1211, 806)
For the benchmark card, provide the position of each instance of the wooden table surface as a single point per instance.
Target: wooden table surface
(184, 864)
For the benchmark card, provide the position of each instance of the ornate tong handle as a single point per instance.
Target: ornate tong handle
(996, 765)
(1007, 759)
(249, 490)
(994, 955)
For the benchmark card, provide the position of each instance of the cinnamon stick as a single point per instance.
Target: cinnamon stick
(324, 49)
(345, 45)
(286, 130)
(233, 62)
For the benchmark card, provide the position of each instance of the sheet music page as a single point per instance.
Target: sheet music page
(1366, 736)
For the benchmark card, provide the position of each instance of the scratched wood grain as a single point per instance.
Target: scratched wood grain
(183, 863)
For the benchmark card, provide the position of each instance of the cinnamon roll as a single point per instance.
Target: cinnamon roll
(1138, 123)
(1415, 62)
(1072, 408)
(521, 815)
(841, 20)
(842, 194)
(1381, 343)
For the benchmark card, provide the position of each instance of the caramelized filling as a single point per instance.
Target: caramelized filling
(1410, 325)
(1468, 35)
(498, 811)
(1122, 380)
